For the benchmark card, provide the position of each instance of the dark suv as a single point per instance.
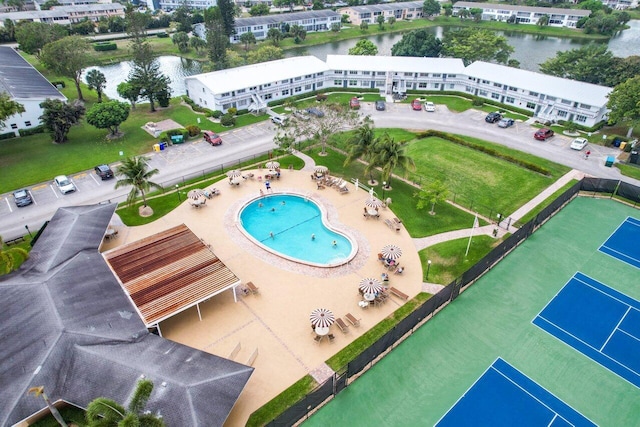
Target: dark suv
(543, 134)
(315, 112)
(22, 198)
(104, 172)
(493, 117)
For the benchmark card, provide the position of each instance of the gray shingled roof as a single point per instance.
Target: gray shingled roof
(383, 7)
(66, 324)
(21, 80)
(284, 17)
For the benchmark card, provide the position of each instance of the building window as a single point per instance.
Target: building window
(338, 72)
(588, 107)
(469, 89)
(580, 118)
(353, 82)
(307, 87)
(497, 85)
(27, 123)
(308, 76)
(495, 95)
(366, 73)
(285, 92)
(380, 73)
(239, 91)
(551, 98)
(436, 85)
(298, 89)
(266, 85)
(352, 72)
(437, 75)
(486, 82)
(379, 83)
(319, 84)
(510, 100)
(533, 93)
(482, 93)
(514, 89)
(452, 86)
(14, 126)
(224, 94)
(422, 85)
(337, 82)
(562, 113)
(565, 102)
(365, 83)
(298, 78)
(424, 74)
(531, 105)
(320, 74)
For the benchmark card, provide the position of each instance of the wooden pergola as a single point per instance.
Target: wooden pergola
(168, 273)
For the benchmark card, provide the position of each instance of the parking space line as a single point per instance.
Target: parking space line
(55, 193)
(8, 204)
(95, 180)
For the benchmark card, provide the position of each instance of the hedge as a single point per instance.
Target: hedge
(488, 150)
(162, 35)
(104, 46)
(8, 135)
(195, 107)
(316, 92)
(166, 136)
(32, 131)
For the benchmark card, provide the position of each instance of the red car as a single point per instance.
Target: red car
(416, 105)
(212, 138)
(543, 134)
(354, 103)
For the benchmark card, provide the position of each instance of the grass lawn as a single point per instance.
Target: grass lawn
(628, 170)
(546, 202)
(17, 257)
(448, 260)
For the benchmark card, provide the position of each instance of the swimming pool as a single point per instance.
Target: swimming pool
(294, 227)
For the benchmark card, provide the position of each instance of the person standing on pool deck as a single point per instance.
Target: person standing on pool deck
(268, 185)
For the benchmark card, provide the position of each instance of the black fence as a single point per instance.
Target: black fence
(302, 409)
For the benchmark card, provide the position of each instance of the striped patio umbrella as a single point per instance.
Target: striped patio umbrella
(272, 165)
(234, 173)
(321, 169)
(373, 202)
(391, 252)
(322, 318)
(195, 194)
(370, 286)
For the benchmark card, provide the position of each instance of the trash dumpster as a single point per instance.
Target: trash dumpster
(156, 147)
(609, 162)
(177, 139)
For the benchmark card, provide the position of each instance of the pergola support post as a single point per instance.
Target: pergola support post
(199, 314)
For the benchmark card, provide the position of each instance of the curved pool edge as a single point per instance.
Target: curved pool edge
(324, 216)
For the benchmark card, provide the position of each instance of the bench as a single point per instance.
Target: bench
(351, 318)
(392, 224)
(399, 293)
(343, 326)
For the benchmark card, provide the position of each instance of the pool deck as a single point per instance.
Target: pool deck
(275, 322)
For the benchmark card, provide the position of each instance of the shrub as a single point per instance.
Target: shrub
(321, 97)
(104, 46)
(59, 84)
(166, 136)
(162, 35)
(193, 130)
(227, 120)
(477, 102)
(216, 114)
(8, 135)
(32, 131)
(232, 111)
(243, 111)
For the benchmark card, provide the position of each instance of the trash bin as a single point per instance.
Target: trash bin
(156, 147)
(633, 158)
(609, 162)
(163, 145)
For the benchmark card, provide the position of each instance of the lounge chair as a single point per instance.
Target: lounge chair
(351, 319)
(399, 270)
(318, 338)
(320, 186)
(399, 293)
(253, 288)
(343, 326)
(331, 338)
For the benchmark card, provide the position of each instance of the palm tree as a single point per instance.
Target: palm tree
(135, 172)
(7, 258)
(105, 412)
(97, 81)
(389, 155)
(39, 391)
(362, 147)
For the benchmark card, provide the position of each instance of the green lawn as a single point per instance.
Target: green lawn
(628, 170)
(546, 202)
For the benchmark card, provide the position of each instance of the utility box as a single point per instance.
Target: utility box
(177, 139)
(633, 158)
(609, 162)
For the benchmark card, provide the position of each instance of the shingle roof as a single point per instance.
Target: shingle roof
(284, 17)
(532, 9)
(21, 80)
(66, 324)
(396, 63)
(383, 7)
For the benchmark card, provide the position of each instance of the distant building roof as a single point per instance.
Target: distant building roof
(89, 7)
(544, 10)
(68, 326)
(285, 17)
(59, 11)
(19, 79)
(395, 63)
(257, 74)
(383, 7)
(560, 88)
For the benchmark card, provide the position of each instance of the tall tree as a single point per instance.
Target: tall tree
(197, 43)
(298, 33)
(39, 391)
(135, 172)
(103, 412)
(227, 13)
(361, 146)
(624, 103)
(391, 20)
(136, 24)
(8, 107)
(182, 16)
(364, 47)
(287, 3)
(476, 14)
(247, 39)
(471, 44)
(431, 7)
(391, 155)
(145, 73)
(97, 81)
(259, 9)
(435, 192)
(543, 21)
(419, 43)
(182, 40)
(591, 64)
(58, 117)
(275, 35)
(380, 21)
(67, 57)
(32, 36)
(108, 115)
(217, 40)
(129, 92)
(264, 54)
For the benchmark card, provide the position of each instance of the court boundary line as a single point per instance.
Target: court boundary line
(616, 329)
(633, 222)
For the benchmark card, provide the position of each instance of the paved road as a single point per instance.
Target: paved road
(188, 160)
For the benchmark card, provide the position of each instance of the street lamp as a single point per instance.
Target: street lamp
(28, 231)
(384, 185)
(178, 191)
(428, 268)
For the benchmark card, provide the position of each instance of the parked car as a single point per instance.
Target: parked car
(22, 198)
(381, 106)
(354, 103)
(543, 134)
(578, 144)
(416, 105)
(64, 184)
(493, 117)
(104, 172)
(212, 138)
(315, 112)
(399, 96)
(278, 120)
(429, 106)
(506, 123)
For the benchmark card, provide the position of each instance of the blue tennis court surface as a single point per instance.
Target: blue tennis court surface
(623, 243)
(599, 322)
(504, 396)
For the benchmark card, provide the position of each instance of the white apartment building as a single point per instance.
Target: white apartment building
(547, 97)
(24, 84)
(174, 4)
(311, 21)
(524, 14)
(369, 13)
(66, 15)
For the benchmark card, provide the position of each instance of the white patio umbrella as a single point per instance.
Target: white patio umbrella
(322, 318)
(373, 202)
(272, 165)
(195, 194)
(234, 173)
(370, 286)
(321, 169)
(391, 252)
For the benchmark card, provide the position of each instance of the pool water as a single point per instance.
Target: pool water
(286, 223)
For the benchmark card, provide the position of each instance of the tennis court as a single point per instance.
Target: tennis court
(503, 396)
(423, 378)
(623, 243)
(598, 321)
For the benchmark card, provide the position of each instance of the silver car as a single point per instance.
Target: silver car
(64, 184)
